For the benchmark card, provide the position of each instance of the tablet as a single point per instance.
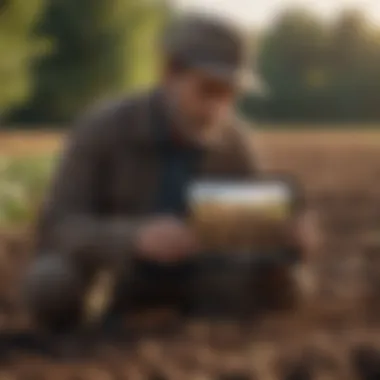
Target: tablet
(235, 215)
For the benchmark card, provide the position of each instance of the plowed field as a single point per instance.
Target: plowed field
(334, 336)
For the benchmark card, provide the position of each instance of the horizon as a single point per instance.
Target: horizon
(251, 13)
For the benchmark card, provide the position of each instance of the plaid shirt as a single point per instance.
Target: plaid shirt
(116, 171)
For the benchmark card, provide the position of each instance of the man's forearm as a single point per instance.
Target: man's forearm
(92, 241)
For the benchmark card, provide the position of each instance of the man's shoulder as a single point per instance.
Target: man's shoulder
(120, 109)
(116, 118)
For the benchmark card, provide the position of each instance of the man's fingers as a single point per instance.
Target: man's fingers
(166, 239)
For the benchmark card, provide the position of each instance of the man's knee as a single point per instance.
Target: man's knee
(53, 291)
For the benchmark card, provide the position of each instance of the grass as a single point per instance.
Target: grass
(22, 183)
(29, 143)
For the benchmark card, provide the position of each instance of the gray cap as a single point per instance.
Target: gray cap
(211, 44)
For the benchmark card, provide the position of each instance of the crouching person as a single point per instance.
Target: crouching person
(85, 282)
(117, 203)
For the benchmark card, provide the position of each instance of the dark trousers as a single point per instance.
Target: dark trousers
(212, 285)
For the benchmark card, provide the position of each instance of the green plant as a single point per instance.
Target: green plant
(22, 184)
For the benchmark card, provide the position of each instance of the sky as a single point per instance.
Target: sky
(261, 12)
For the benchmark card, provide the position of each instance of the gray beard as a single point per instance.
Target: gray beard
(187, 129)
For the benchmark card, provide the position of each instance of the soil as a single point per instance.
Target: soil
(334, 333)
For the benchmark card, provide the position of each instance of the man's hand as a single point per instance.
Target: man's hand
(306, 233)
(166, 240)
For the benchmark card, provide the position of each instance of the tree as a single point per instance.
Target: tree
(19, 47)
(354, 61)
(142, 24)
(292, 64)
(292, 53)
(102, 48)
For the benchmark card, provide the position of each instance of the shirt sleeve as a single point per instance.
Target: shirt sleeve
(71, 222)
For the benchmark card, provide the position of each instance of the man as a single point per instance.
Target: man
(117, 202)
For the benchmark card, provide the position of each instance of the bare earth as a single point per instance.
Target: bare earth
(333, 336)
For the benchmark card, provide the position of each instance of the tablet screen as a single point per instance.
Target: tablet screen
(238, 215)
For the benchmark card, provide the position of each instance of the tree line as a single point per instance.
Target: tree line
(93, 49)
(319, 72)
(58, 56)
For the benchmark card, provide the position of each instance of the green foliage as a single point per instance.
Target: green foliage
(19, 47)
(315, 71)
(354, 67)
(319, 72)
(292, 51)
(142, 21)
(22, 184)
(103, 47)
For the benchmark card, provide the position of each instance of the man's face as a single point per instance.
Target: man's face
(201, 100)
